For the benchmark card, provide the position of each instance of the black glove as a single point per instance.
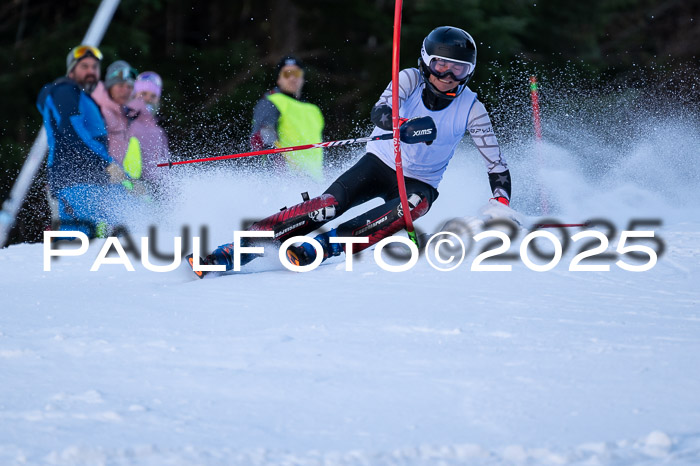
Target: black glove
(420, 129)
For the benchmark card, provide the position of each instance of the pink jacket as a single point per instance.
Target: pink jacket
(152, 140)
(116, 122)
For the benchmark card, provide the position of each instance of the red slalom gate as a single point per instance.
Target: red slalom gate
(408, 220)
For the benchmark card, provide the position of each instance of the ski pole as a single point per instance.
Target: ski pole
(280, 150)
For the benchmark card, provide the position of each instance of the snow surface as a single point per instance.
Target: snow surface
(370, 367)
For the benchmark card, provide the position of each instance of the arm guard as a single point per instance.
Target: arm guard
(381, 117)
(500, 184)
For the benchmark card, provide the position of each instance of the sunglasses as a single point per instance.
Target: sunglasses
(83, 51)
(296, 72)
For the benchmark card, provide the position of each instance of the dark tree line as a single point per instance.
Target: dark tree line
(216, 57)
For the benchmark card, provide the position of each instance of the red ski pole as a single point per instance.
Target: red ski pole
(560, 225)
(282, 149)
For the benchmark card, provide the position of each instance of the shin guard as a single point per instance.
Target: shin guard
(299, 219)
(383, 221)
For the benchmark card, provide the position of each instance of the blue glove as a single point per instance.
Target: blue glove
(419, 129)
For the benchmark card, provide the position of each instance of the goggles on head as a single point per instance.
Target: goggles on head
(289, 72)
(83, 51)
(152, 77)
(123, 74)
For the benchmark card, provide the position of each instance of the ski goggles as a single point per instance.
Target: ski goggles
(125, 73)
(443, 67)
(151, 77)
(83, 51)
(289, 72)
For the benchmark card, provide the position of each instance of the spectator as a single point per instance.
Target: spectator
(112, 97)
(282, 119)
(82, 176)
(149, 87)
(147, 141)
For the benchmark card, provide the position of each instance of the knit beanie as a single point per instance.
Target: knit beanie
(289, 61)
(80, 52)
(148, 81)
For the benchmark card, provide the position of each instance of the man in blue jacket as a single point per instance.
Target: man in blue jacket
(82, 176)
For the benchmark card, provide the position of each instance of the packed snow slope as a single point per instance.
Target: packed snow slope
(370, 366)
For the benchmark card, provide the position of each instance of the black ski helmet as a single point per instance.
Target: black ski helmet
(453, 44)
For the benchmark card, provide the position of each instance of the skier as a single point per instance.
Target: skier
(433, 96)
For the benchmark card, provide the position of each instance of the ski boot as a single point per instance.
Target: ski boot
(306, 253)
(211, 259)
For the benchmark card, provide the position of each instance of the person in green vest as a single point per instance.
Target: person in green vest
(282, 119)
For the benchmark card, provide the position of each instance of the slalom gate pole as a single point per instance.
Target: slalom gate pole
(534, 97)
(282, 150)
(395, 123)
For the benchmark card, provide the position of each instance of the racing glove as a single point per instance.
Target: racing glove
(419, 129)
